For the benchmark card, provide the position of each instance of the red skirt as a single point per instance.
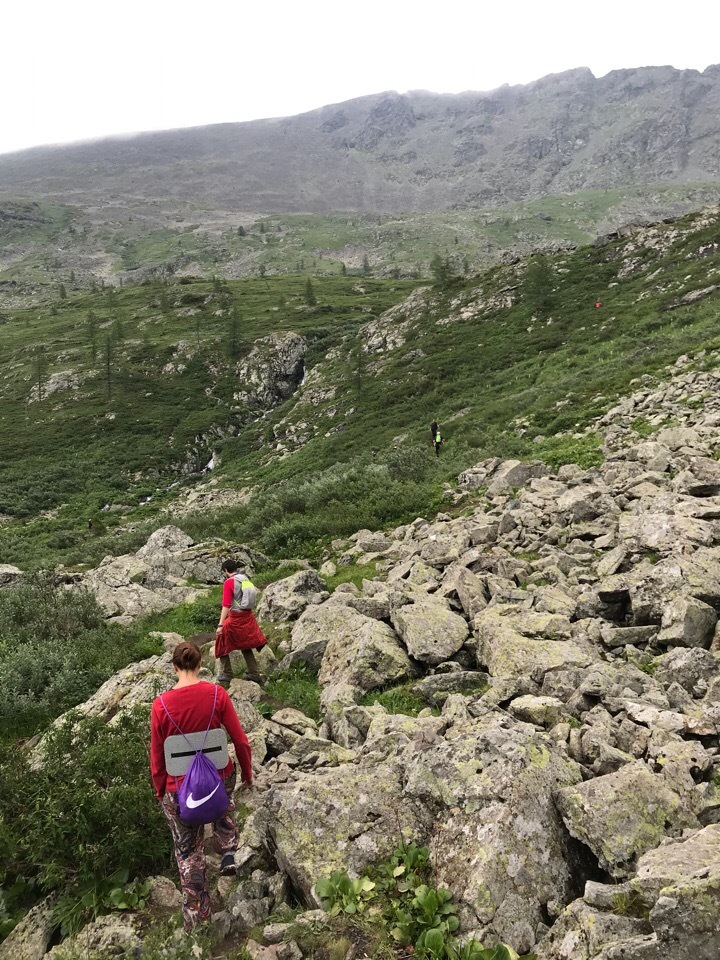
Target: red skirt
(240, 632)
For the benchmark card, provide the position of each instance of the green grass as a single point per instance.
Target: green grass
(352, 573)
(296, 687)
(399, 699)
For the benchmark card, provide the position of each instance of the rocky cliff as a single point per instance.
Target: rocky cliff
(418, 151)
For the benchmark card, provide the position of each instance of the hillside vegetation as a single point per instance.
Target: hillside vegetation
(114, 397)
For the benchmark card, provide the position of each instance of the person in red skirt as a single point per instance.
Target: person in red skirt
(238, 629)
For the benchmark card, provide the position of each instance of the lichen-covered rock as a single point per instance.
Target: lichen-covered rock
(503, 651)
(431, 632)
(504, 849)
(582, 931)
(111, 936)
(687, 622)
(340, 818)
(542, 711)
(287, 598)
(669, 909)
(9, 574)
(622, 815)
(688, 667)
(31, 937)
(365, 654)
(312, 631)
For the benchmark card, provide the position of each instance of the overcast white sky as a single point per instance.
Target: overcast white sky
(77, 69)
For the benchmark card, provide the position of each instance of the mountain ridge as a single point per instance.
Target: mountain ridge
(561, 133)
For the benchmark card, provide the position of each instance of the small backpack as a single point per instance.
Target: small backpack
(248, 593)
(202, 797)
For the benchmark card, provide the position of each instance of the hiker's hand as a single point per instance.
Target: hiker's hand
(246, 785)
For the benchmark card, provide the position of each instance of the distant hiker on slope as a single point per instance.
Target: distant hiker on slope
(433, 431)
(238, 629)
(191, 707)
(439, 441)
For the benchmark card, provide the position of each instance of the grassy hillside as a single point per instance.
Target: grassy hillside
(516, 361)
(79, 246)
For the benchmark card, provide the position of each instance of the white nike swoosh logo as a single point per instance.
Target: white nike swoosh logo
(196, 803)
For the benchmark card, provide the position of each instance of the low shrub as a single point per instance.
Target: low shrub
(86, 821)
(56, 649)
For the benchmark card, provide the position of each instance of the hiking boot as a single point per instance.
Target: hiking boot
(223, 678)
(227, 865)
(258, 678)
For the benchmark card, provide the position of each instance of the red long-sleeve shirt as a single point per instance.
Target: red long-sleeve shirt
(190, 708)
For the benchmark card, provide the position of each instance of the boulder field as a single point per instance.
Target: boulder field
(562, 628)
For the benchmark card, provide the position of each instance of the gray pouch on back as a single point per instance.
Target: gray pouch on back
(178, 754)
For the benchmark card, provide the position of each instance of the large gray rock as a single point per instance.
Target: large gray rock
(286, 599)
(364, 654)
(169, 539)
(111, 936)
(31, 937)
(502, 649)
(342, 818)
(504, 850)
(688, 667)
(477, 789)
(431, 632)
(687, 622)
(663, 531)
(622, 815)
(271, 372)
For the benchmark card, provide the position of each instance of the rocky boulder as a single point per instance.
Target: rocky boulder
(430, 631)
(622, 815)
(286, 599)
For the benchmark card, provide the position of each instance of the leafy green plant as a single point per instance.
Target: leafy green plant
(339, 893)
(429, 909)
(86, 814)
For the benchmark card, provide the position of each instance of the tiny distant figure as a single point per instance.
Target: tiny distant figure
(90, 523)
(439, 441)
(433, 431)
(597, 304)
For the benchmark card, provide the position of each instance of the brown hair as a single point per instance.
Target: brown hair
(187, 656)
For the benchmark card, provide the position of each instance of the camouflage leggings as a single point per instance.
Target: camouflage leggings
(189, 842)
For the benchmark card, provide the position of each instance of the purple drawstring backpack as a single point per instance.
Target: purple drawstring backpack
(202, 797)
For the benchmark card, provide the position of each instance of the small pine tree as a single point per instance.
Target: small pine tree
(263, 228)
(108, 356)
(343, 270)
(91, 327)
(62, 291)
(241, 231)
(262, 269)
(441, 272)
(310, 298)
(537, 285)
(366, 266)
(40, 369)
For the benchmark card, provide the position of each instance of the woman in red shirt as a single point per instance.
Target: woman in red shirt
(190, 704)
(238, 629)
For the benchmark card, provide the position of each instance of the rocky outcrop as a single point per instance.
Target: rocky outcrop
(9, 574)
(159, 575)
(271, 372)
(563, 632)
